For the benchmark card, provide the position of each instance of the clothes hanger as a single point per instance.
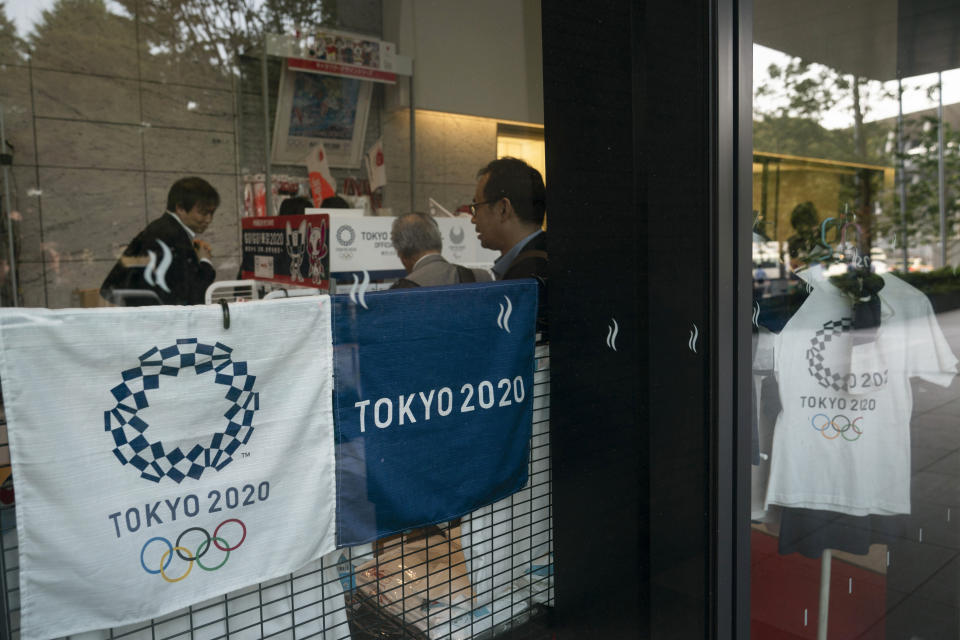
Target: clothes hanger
(822, 251)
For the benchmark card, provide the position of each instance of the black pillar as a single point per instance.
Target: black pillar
(642, 241)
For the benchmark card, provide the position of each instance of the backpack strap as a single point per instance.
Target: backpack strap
(465, 275)
(405, 283)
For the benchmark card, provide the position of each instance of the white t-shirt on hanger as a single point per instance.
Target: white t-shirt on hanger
(842, 439)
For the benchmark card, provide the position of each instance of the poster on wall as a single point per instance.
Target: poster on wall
(316, 108)
(290, 250)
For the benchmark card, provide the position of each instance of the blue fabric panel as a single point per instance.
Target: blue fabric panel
(433, 403)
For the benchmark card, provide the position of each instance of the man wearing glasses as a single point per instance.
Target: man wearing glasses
(507, 212)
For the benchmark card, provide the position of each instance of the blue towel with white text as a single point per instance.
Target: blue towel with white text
(433, 403)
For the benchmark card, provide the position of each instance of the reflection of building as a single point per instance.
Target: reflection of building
(145, 107)
(781, 182)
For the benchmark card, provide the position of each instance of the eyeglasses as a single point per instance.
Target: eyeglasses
(474, 205)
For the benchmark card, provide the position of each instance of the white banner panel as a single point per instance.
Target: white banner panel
(160, 460)
(460, 243)
(363, 243)
(358, 243)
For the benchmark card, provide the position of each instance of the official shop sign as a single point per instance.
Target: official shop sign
(362, 243)
(434, 403)
(292, 250)
(460, 243)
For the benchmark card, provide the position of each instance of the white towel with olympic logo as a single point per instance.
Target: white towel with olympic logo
(167, 460)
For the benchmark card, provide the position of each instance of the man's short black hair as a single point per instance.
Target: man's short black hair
(295, 206)
(334, 202)
(187, 192)
(520, 183)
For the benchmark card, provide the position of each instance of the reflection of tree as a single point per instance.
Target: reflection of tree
(215, 31)
(72, 26)
(174, 32)
(805, 93)
(921, 164)
(10, 42)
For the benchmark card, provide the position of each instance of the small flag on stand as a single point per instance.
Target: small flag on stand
(322, 184)
(376, 167)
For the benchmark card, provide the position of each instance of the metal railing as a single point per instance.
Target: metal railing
(476, 577)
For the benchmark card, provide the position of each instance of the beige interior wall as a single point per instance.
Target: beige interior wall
(474, 58)
(450, 149)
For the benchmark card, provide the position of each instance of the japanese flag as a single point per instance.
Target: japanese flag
(376, 167)
(322, 184)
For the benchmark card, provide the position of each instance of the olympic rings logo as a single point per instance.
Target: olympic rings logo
(841, 429)
(177, 548)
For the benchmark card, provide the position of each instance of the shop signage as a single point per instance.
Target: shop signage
(338, 69)
(338, 53)
(363, 243)
(434, 403)
(183, 458)
(460, 243)
(291, 250)
(359, 243)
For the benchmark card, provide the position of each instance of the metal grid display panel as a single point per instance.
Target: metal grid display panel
(504, 549)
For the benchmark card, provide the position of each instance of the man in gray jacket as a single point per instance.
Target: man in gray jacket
(416, 239)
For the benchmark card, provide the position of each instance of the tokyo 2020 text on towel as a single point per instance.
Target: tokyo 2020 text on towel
(160, 459)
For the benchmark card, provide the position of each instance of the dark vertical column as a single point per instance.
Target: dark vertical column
(677, 132)
(597, 284)
(630, 96)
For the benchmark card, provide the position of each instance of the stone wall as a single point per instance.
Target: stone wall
(102, 124)
(104, 113)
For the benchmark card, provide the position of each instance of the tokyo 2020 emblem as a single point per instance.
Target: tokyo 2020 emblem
(346, 235)
(816, 366)
(152, 459)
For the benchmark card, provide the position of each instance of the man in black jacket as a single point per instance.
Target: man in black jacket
(166, 257)
(507, 211)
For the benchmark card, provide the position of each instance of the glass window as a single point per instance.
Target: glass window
(856, 239)
(297, 155)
